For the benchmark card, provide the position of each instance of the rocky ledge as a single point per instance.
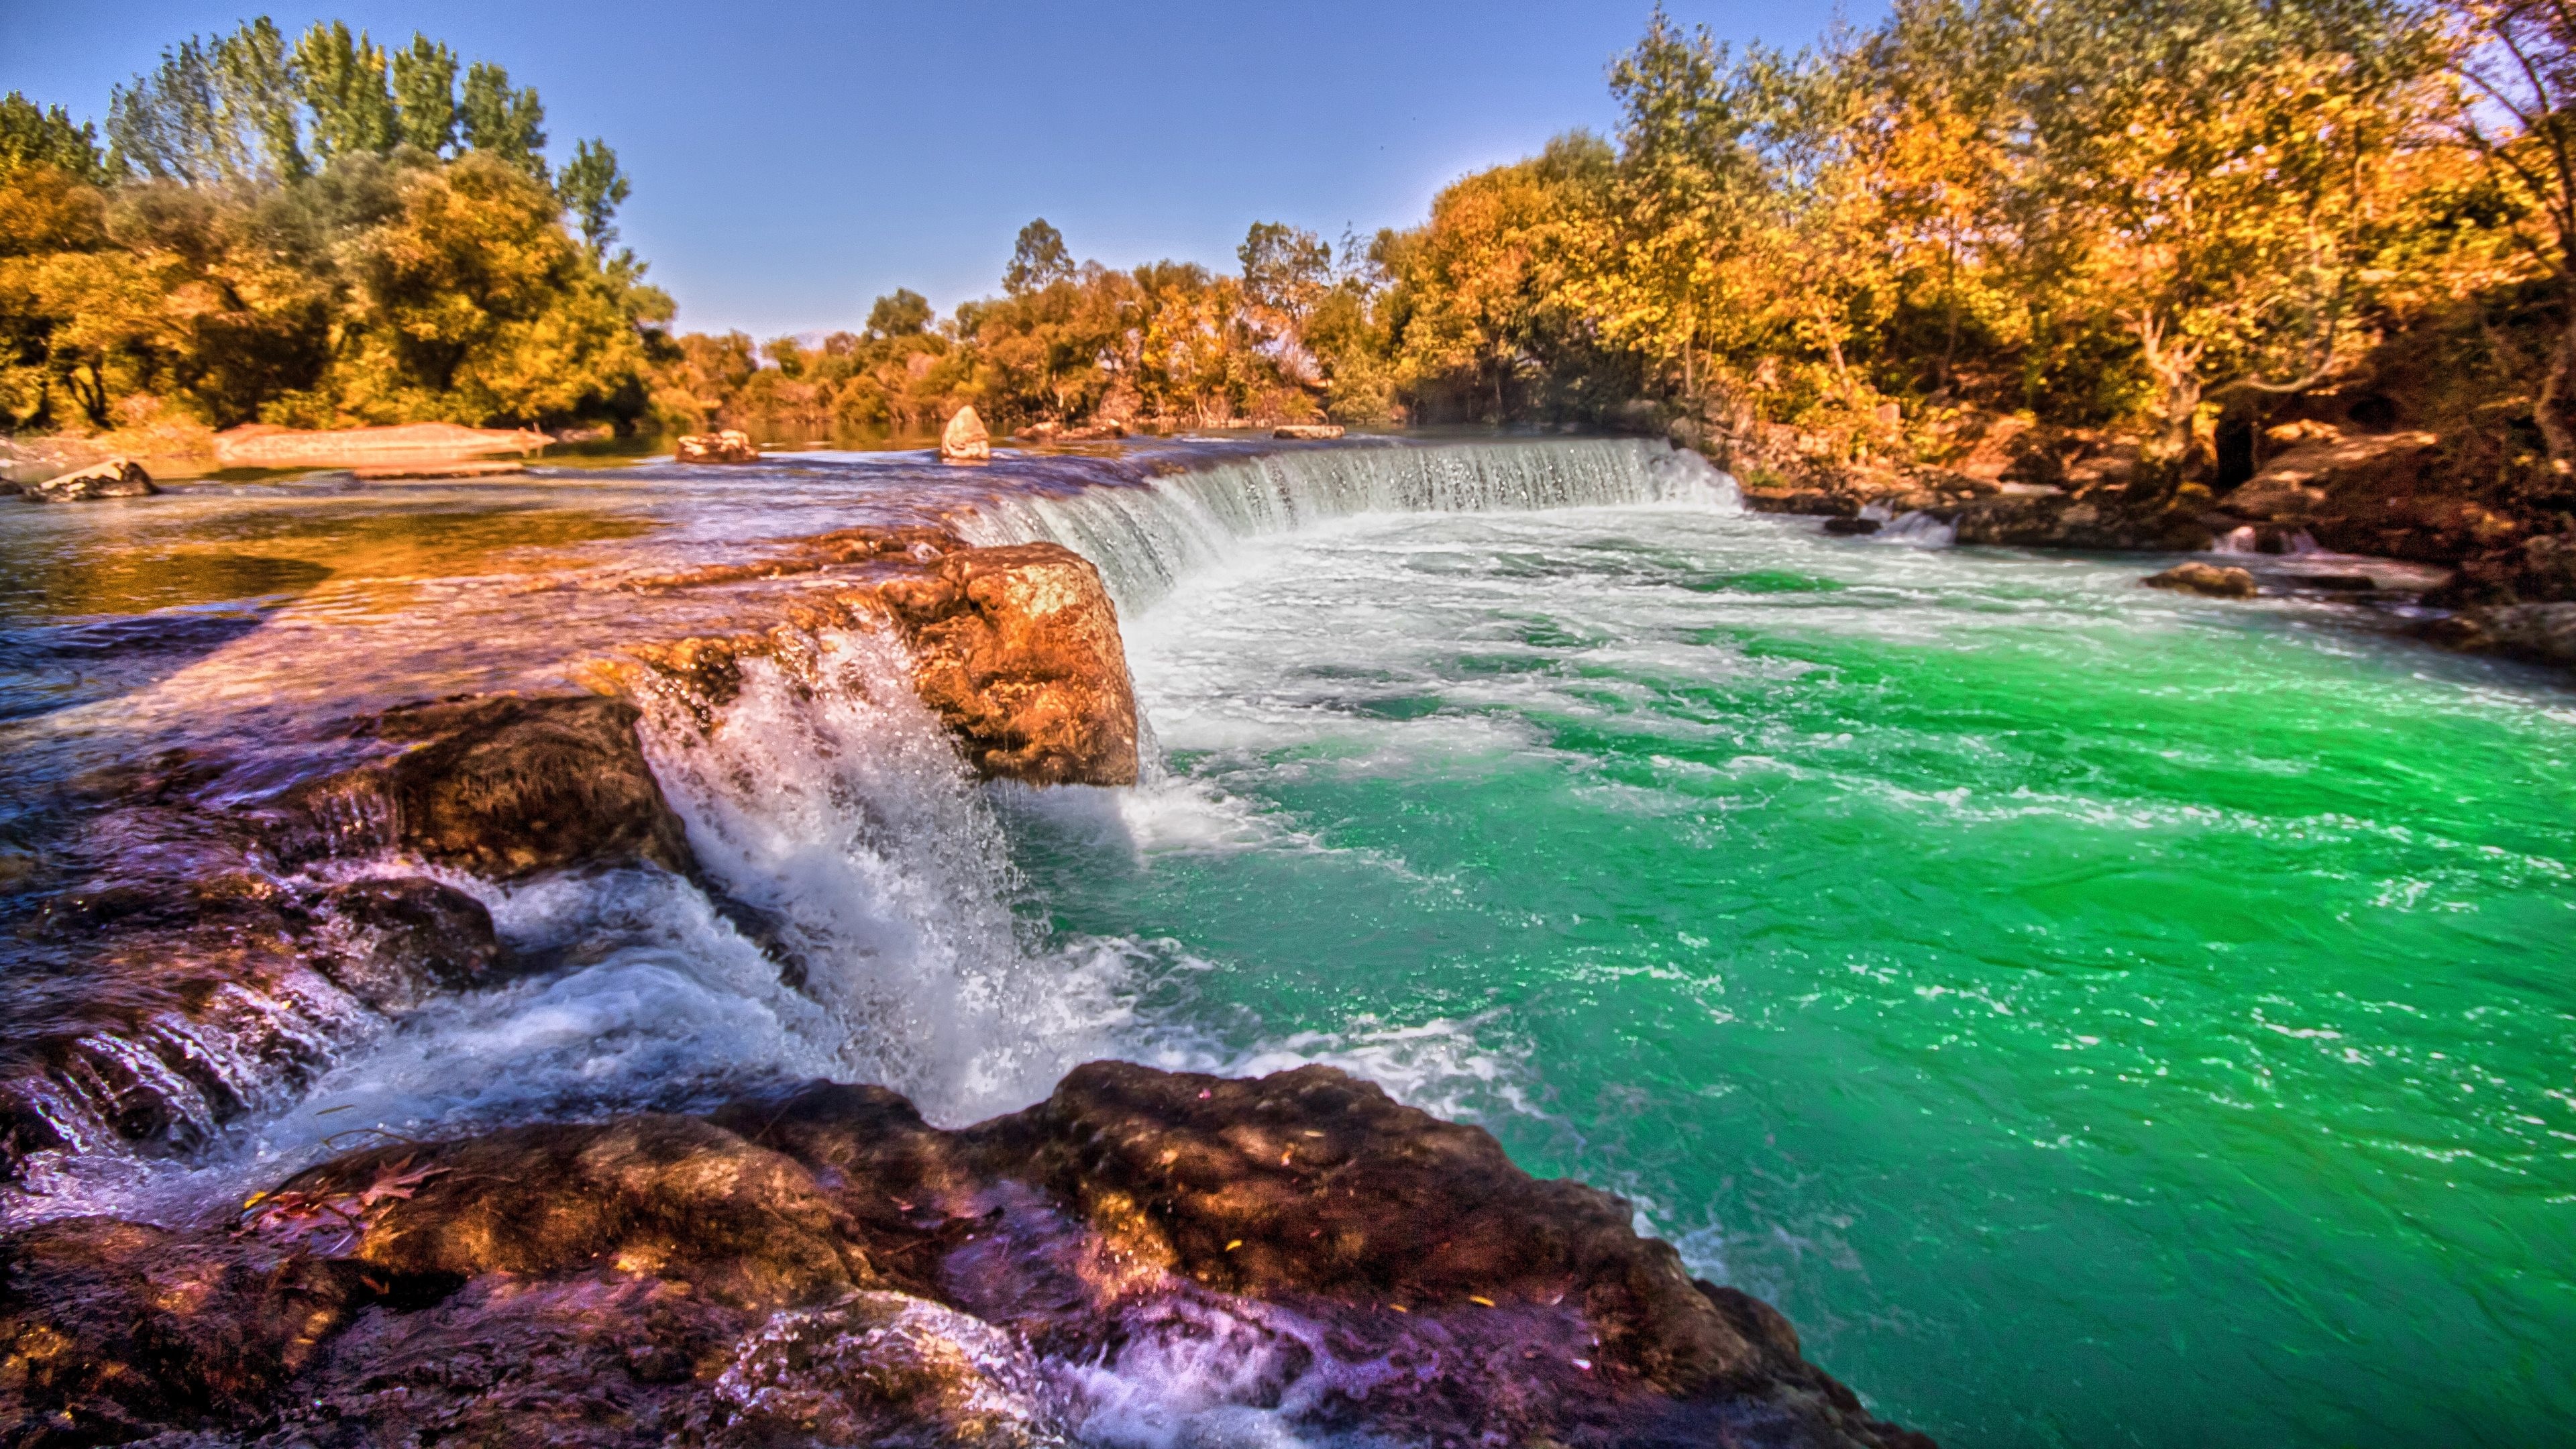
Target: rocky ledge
(819, 1266)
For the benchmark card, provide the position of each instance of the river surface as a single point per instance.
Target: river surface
(2094, 1016)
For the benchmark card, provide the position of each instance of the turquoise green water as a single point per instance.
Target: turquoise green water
(2095, 1017)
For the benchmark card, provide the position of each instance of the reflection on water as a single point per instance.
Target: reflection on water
(135, 561)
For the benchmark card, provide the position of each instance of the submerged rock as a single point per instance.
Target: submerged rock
(1851, 526)
(2207, 580)
(965, 439)
(112, 478)
(820, 1266)
(730, 446)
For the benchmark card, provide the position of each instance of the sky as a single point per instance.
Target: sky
(793, 161)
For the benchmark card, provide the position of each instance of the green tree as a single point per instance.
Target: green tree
(342, 79)
(425, 94)
(593, 187)
(46, 137)
(902, 313)
(1038, 258)
(501, 122)
(224, 111)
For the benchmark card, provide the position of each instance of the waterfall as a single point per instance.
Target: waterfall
(1144, 539)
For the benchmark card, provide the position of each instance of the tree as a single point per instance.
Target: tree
(425, 94)
(502, 123)
(593, 187)
(342, 78)
(2517, 65)
(30, 136)
(213, 112)
(904, 313)
(2233, 172)
(1038, 258)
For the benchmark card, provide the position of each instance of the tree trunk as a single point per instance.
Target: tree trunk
(2554, 432)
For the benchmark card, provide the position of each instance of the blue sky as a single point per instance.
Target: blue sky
(793, 161)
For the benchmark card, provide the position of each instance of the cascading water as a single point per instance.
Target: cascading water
(1145, 539)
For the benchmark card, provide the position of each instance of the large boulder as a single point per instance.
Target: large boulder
(818, 1265)
(502, 786)
(965, 439)
(2537, 570)
(2100, 519)
(112, 478)
(1017, 648)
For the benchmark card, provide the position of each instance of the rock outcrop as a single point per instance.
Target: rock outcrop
(503, 787)
(112, 478)
(2207, 580)
(2101, 519)
(965, 439)
(730, 446)
(820, 1266)
(1017, 648)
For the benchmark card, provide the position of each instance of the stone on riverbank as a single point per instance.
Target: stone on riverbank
(2532, 633)
(113, 478)
(965, 439)
(2207, 580)
(1307, 432)
(820, 1262)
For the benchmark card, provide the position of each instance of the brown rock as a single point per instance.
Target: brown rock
(2102, 519)
(1017, 649)
(2538, 570)
(1851, 526)
(113, 478)
(730, 446)
(2533, 633)
(2207, 580)
(965, 440)
(1307, 431)
(718, 1282)
(502, 786)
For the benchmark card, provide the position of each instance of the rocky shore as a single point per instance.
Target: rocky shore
(819, 1266)
(2366, 487)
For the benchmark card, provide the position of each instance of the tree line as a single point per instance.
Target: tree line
(316, 232)
(2139, 215)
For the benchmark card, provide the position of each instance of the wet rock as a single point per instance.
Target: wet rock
(1307, 431)
(113, 478)
(410, 938)
(1017, 649)
(2101, 519)
(965, 439)
(2532, 633)
(1851, 526)
(729, 446)
(2341, 583)
(502, 786)
(2207, 580)
(2534, 571)
(674, 1197)
(820, 1266)
(113, 1331)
